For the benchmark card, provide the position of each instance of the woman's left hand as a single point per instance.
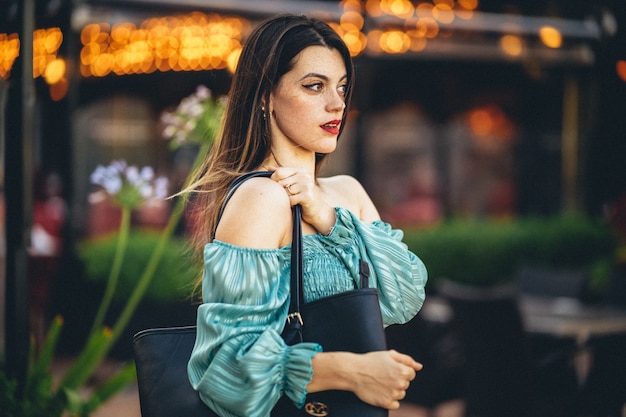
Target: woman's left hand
(302, 189)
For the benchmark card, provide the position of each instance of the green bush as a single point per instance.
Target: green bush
(174, 277)
(487, 253)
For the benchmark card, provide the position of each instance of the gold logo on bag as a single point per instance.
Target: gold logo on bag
(316, 408)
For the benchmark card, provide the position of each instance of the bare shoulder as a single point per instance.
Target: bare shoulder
(347, 192)
(258, 215)
(345, 185)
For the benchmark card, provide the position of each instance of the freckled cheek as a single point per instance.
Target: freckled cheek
(297, 110)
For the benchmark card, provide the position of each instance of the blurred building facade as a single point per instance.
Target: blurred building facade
(462, 108)
(475, 108)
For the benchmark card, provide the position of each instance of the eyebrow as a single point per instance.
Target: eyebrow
(324, 77)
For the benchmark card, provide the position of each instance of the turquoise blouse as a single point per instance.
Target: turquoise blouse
(240, 365)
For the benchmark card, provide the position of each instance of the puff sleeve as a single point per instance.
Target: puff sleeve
(399, 275)
(240, 365)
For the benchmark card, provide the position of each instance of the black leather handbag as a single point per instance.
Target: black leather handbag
(349, 321)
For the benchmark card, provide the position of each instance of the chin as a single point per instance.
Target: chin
(327, 148)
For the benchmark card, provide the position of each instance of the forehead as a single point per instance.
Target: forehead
(319, 60)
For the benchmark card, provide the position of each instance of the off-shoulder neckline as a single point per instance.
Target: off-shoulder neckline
(309, 236)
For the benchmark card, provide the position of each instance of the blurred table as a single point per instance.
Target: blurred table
(553, 316)
(584, 344)
(569, 318)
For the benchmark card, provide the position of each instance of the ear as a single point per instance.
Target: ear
(269, 106)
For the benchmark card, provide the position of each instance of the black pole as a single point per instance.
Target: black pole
(18, 184)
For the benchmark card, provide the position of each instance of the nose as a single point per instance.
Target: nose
(335, 102)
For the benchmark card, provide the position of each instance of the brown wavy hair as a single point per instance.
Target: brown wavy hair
(245, 138)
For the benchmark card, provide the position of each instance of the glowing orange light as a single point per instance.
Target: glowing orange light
(481, 122)
(372, 7)
(443, 13)
(428, 27)
(373, 40)
(490, 125)
(395, 42)
(463, 13)
(400, 8)
(9, 51)
(46, 43)
(51, 40)
(620, 68)
(448, 3)
(89, 33)
(356, 42)
(352, 18)
(424, 10)
(468, 4)
(55, 71)
(352, 6)
(511, 44)
(233, 59)
(550, 37)
(59, 89)
(418, 41)
(192, 42)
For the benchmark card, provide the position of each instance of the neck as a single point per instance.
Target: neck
(292, 158)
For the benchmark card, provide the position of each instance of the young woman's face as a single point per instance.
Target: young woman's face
(307, 104)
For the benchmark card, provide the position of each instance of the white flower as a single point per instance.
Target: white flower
(129, 186)
(196, 119)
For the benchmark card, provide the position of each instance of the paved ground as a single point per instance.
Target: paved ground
(126, 404)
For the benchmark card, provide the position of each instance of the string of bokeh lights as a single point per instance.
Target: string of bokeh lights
(200, 41)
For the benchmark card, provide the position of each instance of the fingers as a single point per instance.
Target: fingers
(406, 373)
(394, 405)
(406, 360)
(289, 179)
(289, 190)
(284, 175)
(389, 379)
(396, 397)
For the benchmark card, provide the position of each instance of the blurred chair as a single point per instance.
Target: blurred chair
(492, 337)
(505, 376)
(550, 282)
(603, 392)
(556, 389)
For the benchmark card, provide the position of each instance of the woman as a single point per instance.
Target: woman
(287, 107)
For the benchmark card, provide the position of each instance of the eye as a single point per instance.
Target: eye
(342, 88)
(316, 86)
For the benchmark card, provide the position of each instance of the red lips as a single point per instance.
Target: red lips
(332, 127)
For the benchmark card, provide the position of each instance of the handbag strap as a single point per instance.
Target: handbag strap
(297, 296)
(296, 289)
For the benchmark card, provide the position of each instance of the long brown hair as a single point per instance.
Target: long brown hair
(245, 139)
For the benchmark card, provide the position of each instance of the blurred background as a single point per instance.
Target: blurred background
(493, 132)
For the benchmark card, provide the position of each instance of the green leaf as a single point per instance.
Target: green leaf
(46, 354)
(75, 403)
(88, 360)
(112, 386)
